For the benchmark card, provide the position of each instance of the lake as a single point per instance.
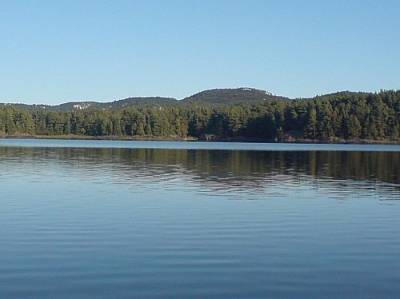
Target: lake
(127, 219)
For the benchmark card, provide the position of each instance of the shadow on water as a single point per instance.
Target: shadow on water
(120, 222)
(223, 169)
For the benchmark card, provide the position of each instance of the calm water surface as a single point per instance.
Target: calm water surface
(118, 219)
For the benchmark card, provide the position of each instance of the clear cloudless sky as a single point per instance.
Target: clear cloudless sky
(58, 51)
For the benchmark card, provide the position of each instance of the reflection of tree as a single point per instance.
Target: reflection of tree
(221, 168)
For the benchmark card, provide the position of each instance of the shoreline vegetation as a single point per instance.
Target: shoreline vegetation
(239, 115)
(191, 139)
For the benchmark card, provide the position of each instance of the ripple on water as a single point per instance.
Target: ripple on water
(93, 224)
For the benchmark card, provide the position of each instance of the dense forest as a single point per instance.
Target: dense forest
(344, 116)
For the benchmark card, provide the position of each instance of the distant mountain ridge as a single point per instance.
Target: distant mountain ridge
(207, 97)
(231, 96)
(137, 102)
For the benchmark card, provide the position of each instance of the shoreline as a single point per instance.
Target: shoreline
(193, 139)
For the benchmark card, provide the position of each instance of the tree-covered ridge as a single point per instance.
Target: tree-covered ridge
(231, 96)
(137, 102)
(335, 117)
(205, 98)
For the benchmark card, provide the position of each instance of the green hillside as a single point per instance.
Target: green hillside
(212, 97)
(231, 96)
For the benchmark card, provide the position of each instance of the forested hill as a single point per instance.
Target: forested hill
(212, 97)
(231, 96)
(338, 117)
(137, 102)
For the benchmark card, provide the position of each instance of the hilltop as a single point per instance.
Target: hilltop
(231, 96)
(213, 97)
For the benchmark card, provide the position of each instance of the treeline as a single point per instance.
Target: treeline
(342, 116)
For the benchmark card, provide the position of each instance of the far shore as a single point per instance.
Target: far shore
(191, 139)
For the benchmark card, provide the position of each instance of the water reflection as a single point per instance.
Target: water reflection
(222, 170)
(108, 222)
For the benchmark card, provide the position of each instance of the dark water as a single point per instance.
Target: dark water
(103, 219)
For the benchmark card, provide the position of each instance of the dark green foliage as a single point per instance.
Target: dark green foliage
(137, 102)
(230, 96)
(334, 117)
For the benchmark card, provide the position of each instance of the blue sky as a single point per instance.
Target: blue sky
(53, 52)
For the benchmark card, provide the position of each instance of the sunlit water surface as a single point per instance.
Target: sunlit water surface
(108, 219)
